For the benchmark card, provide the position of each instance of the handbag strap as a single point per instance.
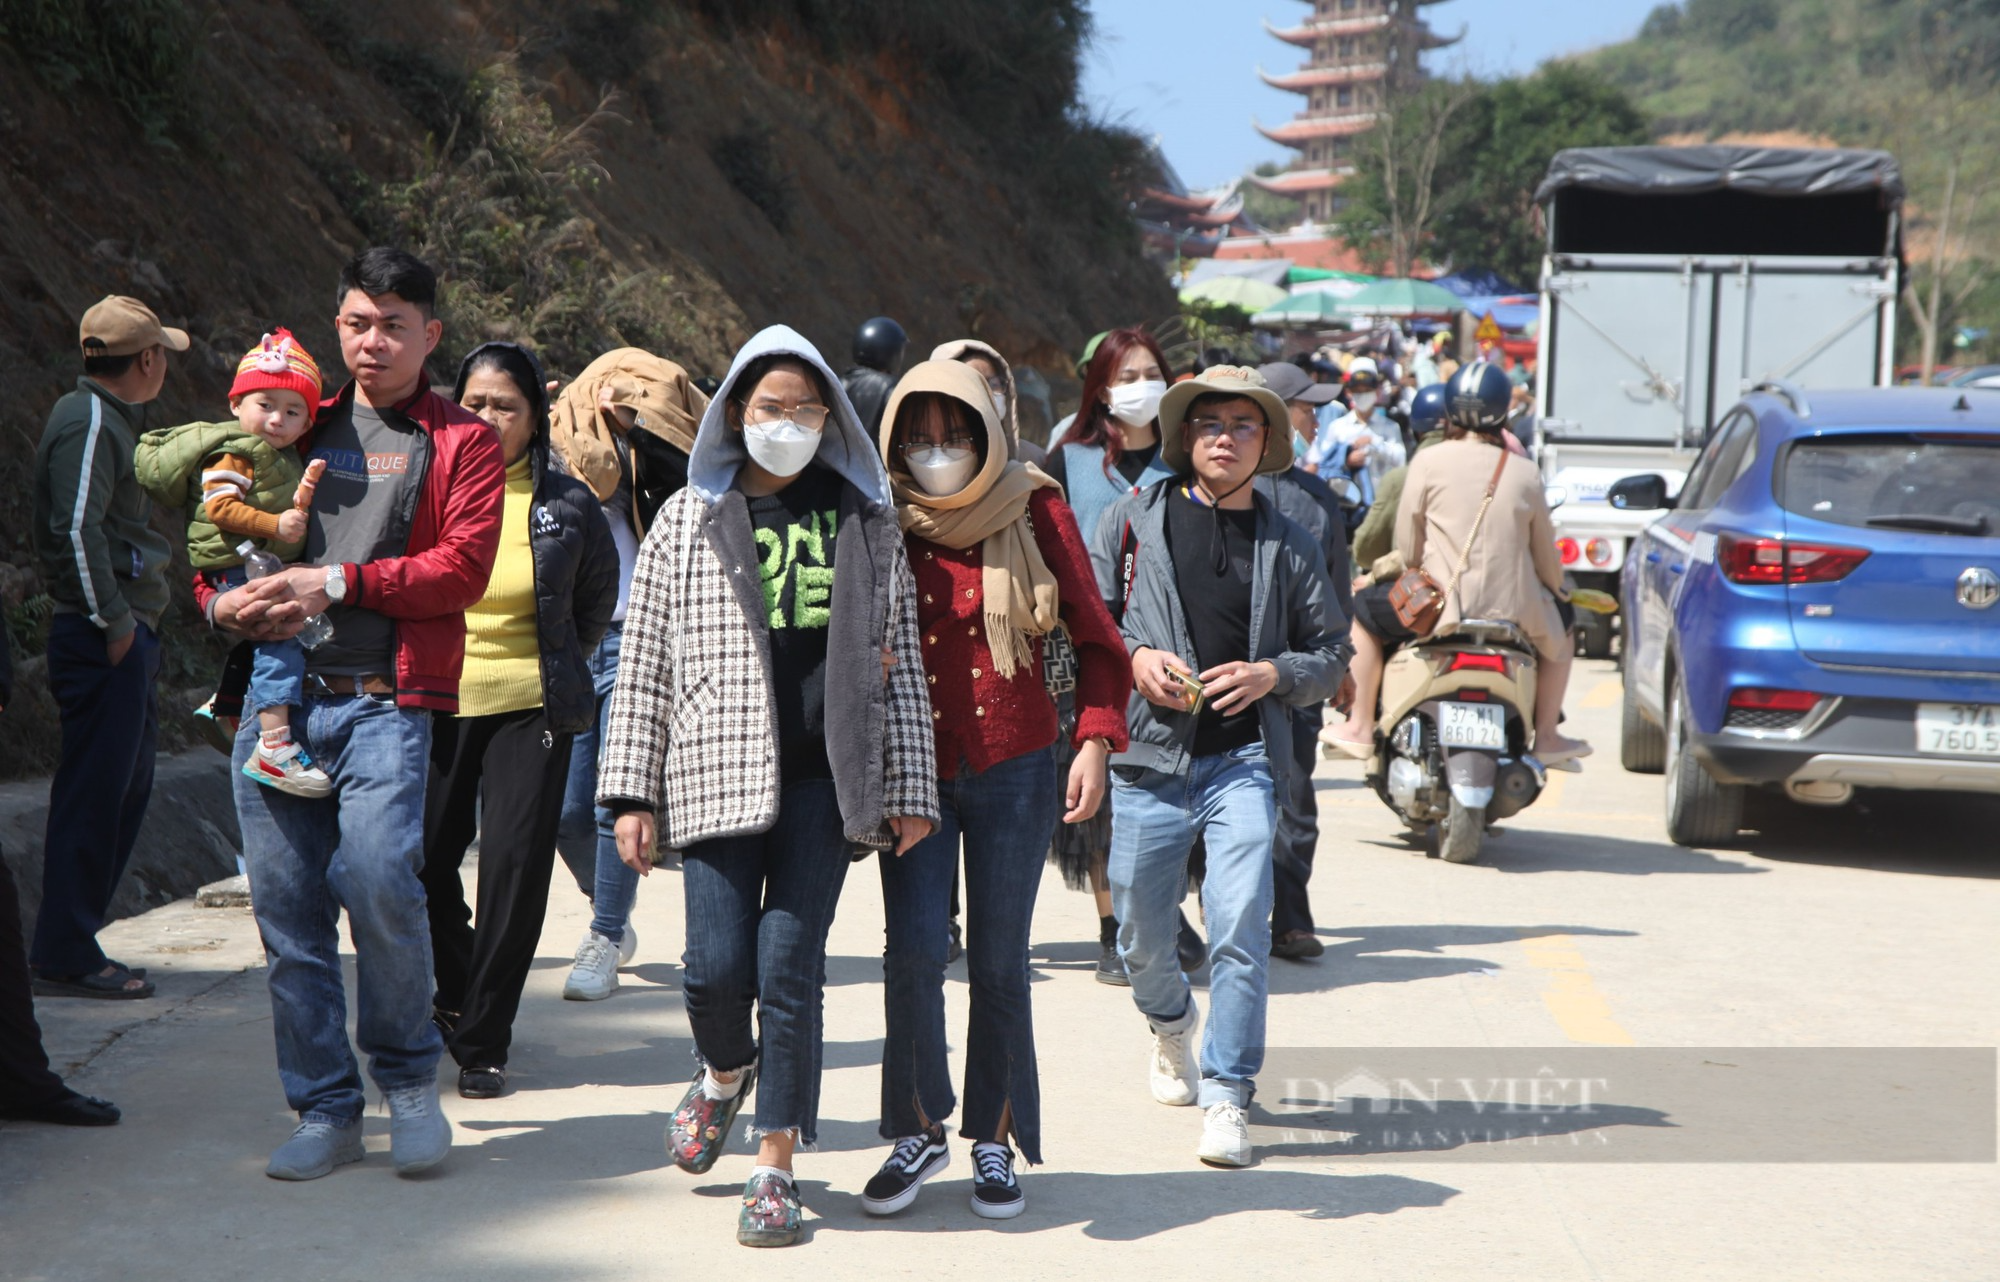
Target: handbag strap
(1465, 553)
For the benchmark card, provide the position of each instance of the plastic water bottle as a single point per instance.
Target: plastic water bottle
(259, 564)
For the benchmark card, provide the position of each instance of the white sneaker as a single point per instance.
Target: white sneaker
(1175, 1075)
(594, 977)
(1225, 1136)
(628, 947)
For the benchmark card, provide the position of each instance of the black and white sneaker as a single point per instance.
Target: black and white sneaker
(996, 1194)
(915, 1159)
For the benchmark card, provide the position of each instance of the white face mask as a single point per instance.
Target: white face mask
(941, 472)
(782, 448)
(1137, 403)
(1000, 405)
(1362, 402)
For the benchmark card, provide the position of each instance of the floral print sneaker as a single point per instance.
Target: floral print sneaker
(771, 1211)
(700, 1129)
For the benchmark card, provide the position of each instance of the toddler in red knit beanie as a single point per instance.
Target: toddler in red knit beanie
(245, 490)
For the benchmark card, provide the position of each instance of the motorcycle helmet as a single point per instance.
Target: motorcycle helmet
(1428, 410)
(879, 344)
(1478, 397)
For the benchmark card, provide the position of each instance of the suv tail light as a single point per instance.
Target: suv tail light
(1464, 662)
(1758, 699)
(1746, 559)
(1598, 551)
(1568, 550)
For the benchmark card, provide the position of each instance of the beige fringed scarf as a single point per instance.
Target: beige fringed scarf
(1018, 590)
(659, 392)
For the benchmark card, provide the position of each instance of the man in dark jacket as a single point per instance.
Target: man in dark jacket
(878, 358)
(106, 570)
(403, 535)
(1226, 602)
(29, 1092)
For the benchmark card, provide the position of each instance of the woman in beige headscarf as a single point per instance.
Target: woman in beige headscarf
(1002, 577)
(624, 428)
(990, 365)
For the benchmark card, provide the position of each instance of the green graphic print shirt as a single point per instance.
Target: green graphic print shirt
(795, 531)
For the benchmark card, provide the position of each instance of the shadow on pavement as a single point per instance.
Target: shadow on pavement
(1122, 1208)
(1525, 850)
(1932, 834)
(1362, 954)
(1438, 1127)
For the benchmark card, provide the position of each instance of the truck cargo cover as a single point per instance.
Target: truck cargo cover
(1764, 171)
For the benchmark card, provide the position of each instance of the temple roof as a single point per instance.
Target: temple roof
(1308, 34)
(1295, 182)
(1307, 79)
(1296, 133)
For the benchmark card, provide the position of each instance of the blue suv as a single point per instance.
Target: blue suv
(1816, 612)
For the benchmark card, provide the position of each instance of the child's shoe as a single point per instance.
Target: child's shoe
(286, 767)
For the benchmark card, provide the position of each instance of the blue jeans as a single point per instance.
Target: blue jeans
(758, 911)
(1229, 801)
(584, 836)
(1006, 816)
(358, 849)
(278, 671)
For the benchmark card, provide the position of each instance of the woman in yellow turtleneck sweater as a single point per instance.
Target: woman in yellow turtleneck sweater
(498, 768)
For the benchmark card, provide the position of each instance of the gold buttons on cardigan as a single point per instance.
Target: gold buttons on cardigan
(972, 632)
(931, 640)
(968, 594)
(975, 674)
(932, 678)
(979, 712)
(927, 598)
(929, 557)
(936, 715)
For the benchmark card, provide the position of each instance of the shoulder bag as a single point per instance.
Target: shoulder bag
(1415, 596)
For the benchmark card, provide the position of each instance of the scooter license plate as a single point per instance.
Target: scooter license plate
(1472, 725)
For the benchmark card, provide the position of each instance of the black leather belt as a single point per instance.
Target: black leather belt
(349, 687)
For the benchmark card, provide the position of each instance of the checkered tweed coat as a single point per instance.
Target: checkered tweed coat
(693, 730)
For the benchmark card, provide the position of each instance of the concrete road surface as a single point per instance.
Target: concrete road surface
(1583, 934)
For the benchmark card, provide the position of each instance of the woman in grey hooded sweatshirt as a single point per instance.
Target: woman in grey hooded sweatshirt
(770, 715)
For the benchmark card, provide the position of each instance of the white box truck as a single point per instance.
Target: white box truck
(1677, 279)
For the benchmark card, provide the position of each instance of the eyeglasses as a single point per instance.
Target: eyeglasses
(811, 417)
(1242, 429)
(956, 441)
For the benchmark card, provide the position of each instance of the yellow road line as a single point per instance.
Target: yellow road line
(1605, 694)
(1572, 996)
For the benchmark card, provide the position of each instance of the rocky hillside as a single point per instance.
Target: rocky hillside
(674, 175)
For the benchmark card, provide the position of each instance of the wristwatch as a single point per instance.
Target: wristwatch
(336, 583)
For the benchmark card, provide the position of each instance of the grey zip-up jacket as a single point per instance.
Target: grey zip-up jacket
(693, 734)
(100, 555)
(1293, 623)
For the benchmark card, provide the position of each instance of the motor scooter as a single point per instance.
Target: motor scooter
(1459, 716)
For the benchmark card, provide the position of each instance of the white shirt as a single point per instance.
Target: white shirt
(1336, 440)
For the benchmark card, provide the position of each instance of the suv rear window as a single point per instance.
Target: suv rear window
(1852, 480)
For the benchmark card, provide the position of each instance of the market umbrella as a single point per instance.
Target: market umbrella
(1235, 291)
(1401, 298)
(1308, 307)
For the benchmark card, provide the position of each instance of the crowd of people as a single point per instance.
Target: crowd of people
(775, 626)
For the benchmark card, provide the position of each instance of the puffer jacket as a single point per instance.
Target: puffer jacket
(576, 568)
(170, 462)
(693, 732)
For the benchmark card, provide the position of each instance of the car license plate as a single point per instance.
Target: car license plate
(1472, 725)
(1959, 729)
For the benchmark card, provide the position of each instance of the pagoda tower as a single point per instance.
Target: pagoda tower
(1360, 53)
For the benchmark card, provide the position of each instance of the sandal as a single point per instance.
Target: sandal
(99, 985)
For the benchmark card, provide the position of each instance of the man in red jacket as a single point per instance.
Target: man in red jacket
(404, 529)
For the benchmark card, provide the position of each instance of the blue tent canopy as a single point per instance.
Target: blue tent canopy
(1509, 311)
(1478, 282)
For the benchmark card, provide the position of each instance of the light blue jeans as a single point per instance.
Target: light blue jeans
(1230, 802)
(358, 849)
(584, 836)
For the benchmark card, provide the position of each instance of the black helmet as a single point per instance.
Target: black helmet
(1478, 396)
(1427, 411)
(879, 344)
